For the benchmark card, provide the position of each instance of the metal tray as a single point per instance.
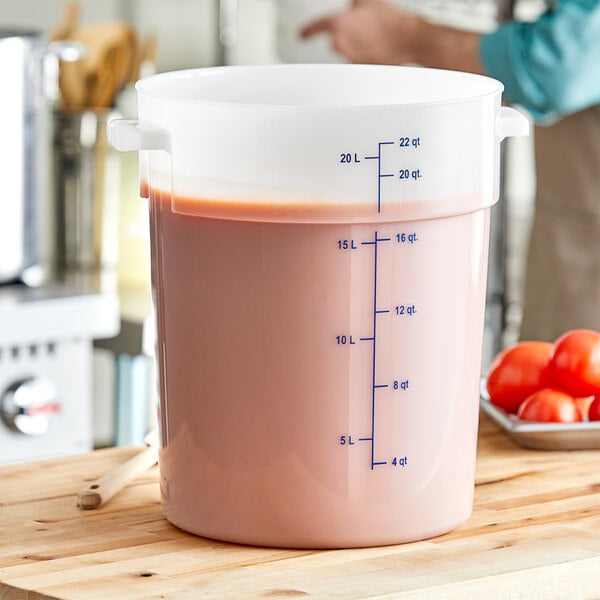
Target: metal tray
(543, 436)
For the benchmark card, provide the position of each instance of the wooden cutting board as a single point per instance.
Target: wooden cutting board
(534, 533)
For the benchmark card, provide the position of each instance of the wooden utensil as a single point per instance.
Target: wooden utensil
(107, 73)
(103, 489)
(69, 21)
(145, 58)
(71, 84)
(96, 79)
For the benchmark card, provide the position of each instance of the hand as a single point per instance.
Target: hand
(372, 31)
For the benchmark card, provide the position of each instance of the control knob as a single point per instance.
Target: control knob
(29, 406)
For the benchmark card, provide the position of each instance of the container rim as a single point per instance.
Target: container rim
(163, 86)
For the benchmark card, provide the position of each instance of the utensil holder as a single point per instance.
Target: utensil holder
(86, 180)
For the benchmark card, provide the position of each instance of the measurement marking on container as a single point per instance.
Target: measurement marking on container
(380, 175)
(375, 386)
(375, 242)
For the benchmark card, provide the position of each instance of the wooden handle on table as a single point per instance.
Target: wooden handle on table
(102, 490)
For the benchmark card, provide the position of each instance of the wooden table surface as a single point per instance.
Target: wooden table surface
(534, 533)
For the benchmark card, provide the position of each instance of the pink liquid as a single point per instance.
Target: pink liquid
(276, 415)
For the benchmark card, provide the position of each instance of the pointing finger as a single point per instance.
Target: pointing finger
(322, 25)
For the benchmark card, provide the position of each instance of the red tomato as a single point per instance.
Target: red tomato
(550, 405)
(576, 362)
(518, 372)
(594, 412)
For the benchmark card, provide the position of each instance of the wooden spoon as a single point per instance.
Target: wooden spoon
(103, 489)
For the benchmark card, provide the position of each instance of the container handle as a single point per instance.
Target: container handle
(511, 123)
(126, 135)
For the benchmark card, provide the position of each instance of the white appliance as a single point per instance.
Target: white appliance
(46, 337)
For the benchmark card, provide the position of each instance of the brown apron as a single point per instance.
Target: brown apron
(562, 284)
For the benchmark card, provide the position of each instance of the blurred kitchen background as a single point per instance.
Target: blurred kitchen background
(76, 328)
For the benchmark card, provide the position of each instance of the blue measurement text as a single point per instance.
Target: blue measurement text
(408, 174)
(404, 237)
(347, 440)
(347, 245)
(381, 389)
(405, 310)
(408, 142)
(407, 238)
(342, 340)
(412, 143)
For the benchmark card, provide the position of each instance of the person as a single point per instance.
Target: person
(551, 67)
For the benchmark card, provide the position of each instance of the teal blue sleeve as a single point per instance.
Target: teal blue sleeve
(551, 66)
